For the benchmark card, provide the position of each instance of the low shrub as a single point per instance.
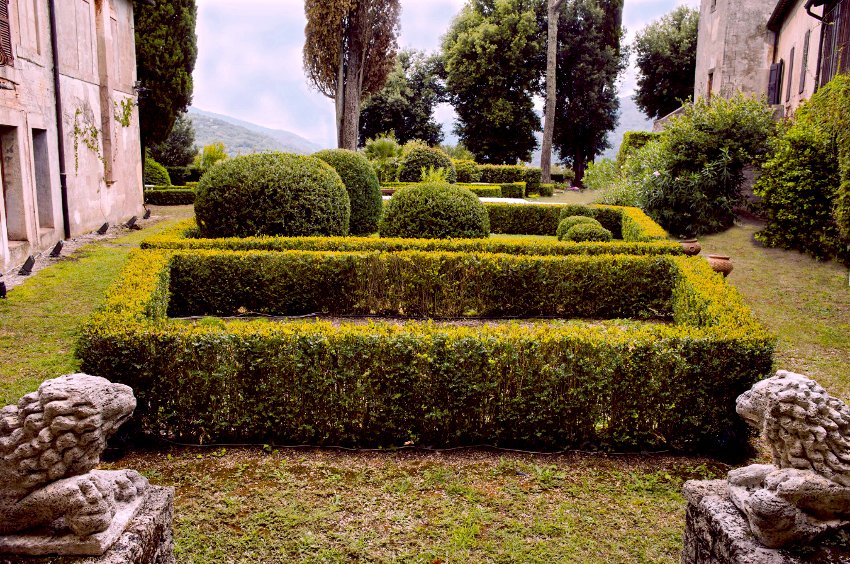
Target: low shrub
(611, 384)
(507, 174)
(184, 235)
(584, 232)
(632, 141)
(183, 175)
(561, 175)
(421, 158)
(364, 189)
(155, 174)
(169, 197)
(272, 194)
(483, 191)
(435, 211)
(547, 190)
(601, 174)
(467, 171)
(513, 190)
(571, 221)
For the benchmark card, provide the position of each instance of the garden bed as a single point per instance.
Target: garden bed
(634, 385)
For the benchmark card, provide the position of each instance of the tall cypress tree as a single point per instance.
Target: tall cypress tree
(166, 50)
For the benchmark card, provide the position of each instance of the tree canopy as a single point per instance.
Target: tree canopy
(666, 60)
(405, 105)
(178, 149)
(349, 51)
(166, 50)
(494, 58)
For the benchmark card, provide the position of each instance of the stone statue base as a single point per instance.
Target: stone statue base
(140, 534)
(718, 533)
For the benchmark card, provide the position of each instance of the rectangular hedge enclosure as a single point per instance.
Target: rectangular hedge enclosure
(650, 350)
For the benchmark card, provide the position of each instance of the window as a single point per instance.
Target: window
(836, 41)
(774, 88)
(804, 67)
(5, 35)
(710, 85)
(790, 74)
(713, 5)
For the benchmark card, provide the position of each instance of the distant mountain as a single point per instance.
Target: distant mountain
(242, 137)
(631, 119)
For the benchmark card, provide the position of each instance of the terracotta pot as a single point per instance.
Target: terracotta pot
(691, 247)
(721, 264)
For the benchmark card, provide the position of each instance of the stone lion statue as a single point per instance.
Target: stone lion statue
(50, 444)
(806, 491)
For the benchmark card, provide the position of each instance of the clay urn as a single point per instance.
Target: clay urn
(721, 264)
(691, 247)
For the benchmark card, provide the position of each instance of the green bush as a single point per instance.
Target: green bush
(632, 141)
(507, 174)
(640, 234)
(169, 197)
(484, 190)
(571, 221)
(435, 211)
(467, 171)
(584, 232)
(183, 175)
(364, 189)
(272, 194)
(554, 385)
(547, 190)
(155, 173)
(513, 190)
(420, 158)
(561, 175)
(601, 174)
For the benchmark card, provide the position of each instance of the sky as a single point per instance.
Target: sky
(249, 59)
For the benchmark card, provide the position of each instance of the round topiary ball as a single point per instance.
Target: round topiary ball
(364, 188)
(467, 171)
(155, 174)
(584, 232)
(571, 221)
(272, 194)
(419, 158)
(435, 211)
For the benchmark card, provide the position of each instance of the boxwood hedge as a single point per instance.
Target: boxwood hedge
(612, 384)
(170, 196)
(364, 189)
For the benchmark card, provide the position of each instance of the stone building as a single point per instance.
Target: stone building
(782, 50)
(69, 132)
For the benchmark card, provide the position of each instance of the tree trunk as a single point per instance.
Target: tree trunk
(340, 93)
(551, 78)
(579, 166)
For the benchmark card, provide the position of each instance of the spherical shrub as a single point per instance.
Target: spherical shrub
(467, 171)
(435, 211)
(571, 221)
(419, 158)
(155, 173)
(364, 189)
(272, 194)
(588, 232)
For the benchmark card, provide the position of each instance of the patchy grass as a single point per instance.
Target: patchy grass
(805, 302)
(467, 506)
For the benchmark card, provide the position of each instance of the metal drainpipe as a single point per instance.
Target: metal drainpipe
(820, 42)
(60, 130)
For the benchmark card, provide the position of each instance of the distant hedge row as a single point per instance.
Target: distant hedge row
(616, 384)
(169, 196)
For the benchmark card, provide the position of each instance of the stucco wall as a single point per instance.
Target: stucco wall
(792, 35)
(103, 156)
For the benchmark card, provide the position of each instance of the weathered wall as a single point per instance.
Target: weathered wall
(792, 36)
(103, 162)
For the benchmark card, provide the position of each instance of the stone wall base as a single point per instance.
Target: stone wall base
(717, 533)
(148, 539)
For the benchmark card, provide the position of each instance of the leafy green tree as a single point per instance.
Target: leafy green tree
(405, 105)
(179, 148)
(166, 50)
(210, 155)
(666, 60)
(590, 59)
(349, 51)
(493, 56)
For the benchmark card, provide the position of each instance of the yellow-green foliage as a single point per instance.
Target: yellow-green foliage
(620, 384)
(480, 190)
(184, 236)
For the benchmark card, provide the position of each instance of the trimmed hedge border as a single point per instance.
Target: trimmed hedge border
(615, 384)
(169, 196)
(513, 190)
(480, 190)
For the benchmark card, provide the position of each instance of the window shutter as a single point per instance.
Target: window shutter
(5, 35)
(804, 67)
(790, 74)
(773, 87)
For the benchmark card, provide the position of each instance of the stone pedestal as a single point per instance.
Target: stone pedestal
(148, 539)
(717, 533)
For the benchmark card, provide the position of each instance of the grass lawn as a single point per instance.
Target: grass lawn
(251, 505)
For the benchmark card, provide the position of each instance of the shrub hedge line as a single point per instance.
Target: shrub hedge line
(169, 196)
(619, 384)
(513, 190)
(480, 190)
(507, 174)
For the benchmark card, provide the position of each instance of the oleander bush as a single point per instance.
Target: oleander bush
(571, 221)
(601, 174)
(435, 211)
(619, 384)
(169, 197)
(584, 232)
(423, 158)
(467, 171)
(272, 194)
(155, 174)
(364, 189)
(632, 141)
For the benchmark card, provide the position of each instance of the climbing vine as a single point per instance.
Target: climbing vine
(88, 134)
(123, 111)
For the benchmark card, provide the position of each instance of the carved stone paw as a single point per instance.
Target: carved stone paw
(92, 505)
(129, 485)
